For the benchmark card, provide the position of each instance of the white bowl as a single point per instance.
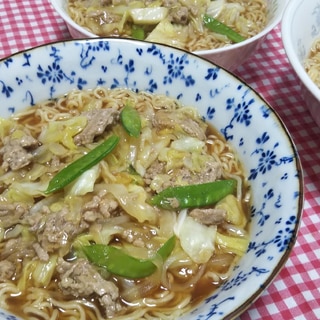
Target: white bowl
(229, 57)
(234, 109)
(300, 28)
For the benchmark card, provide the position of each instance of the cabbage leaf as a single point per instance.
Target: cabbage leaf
(196, 239)
(148, 15)
(189, 144)
(133, 201)
(170, 34)
(84, 183)
(63, 131)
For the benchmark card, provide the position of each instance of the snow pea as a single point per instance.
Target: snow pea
(119, 263)
(137, 32)
(130, 119)
(216, 26)
(76, 168)
(192, 196)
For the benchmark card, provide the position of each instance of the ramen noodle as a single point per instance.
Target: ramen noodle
(312, 63)
(84, 240)
(174, 22)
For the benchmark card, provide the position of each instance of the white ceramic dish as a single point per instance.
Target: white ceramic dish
(228, 57)
(300, 28)
(237, 111)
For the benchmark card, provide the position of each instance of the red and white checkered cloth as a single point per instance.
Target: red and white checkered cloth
(295, 293)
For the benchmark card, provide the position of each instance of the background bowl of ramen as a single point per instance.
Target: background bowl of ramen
(229, 57)
(300, 29)
(242, 117)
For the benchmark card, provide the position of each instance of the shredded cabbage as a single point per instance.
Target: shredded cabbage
(238, 245)
(24, 279)
(196, 239)
(37, 273)
(166, 221)
(104, 234)
(5, 127)
(235, 214)
(43, 271)
(25, 191)
(215, 8)
(148, 15)
(57, 149)
(2, 233)
(85, 183)
(63, 131)
(174, 158)
(170, 34)
(134, 202)
(189, 144)
(149, 148)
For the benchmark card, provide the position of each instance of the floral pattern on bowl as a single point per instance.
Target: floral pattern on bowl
(232, 107)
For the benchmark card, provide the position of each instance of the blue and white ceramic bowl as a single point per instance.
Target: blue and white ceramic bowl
(238, 112)
(229, 57)
(300, 28)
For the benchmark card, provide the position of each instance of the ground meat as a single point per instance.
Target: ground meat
(105, 2)
(16, 153)
(192, 128)
(179, 15)
(139, 237)
(211, 172)
(155, 168)
(15, 250)
(100, 207)
(208, 216)
(183, 176)
(33, 217)
(11, 213)
(81, 279)
(98, 121)
(170, 3)
(169, 119)
(136, 238)
(7, 270)
(55, 230)
(41, 253)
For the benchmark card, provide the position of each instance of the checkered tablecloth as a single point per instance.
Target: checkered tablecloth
(295, 293)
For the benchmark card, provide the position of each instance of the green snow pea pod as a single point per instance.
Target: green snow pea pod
(137, 32)
(216, 26)
(119, 263)
(76, 168)
(130, 119)
(192, 196)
